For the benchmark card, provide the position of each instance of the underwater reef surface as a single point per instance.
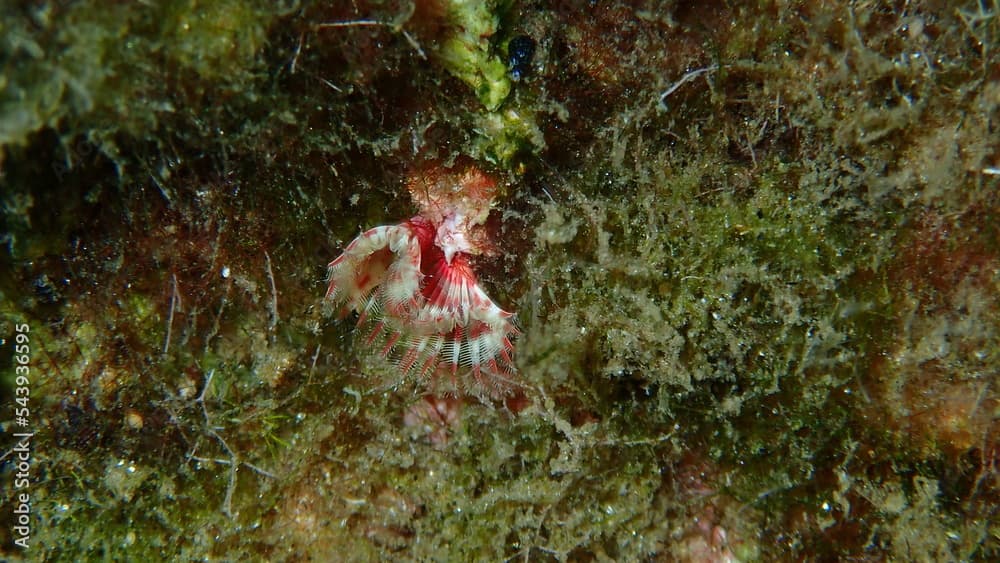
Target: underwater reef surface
(753, 249)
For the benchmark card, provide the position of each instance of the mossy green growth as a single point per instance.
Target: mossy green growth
(508, 128)
(714, 298)
(503, 135)
(214, 39)
(99, 66)
(466, 52)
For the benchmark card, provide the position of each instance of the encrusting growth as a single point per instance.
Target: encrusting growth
(416, 293)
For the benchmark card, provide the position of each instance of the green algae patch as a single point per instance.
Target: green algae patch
(466, 51)
(504, 136)
(214, 40)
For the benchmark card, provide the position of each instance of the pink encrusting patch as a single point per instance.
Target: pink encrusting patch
(416, 293)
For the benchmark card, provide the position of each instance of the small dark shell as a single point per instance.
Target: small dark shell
(520, 50)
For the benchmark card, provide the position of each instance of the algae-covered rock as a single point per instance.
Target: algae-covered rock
(752, 250)
(465, 50)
